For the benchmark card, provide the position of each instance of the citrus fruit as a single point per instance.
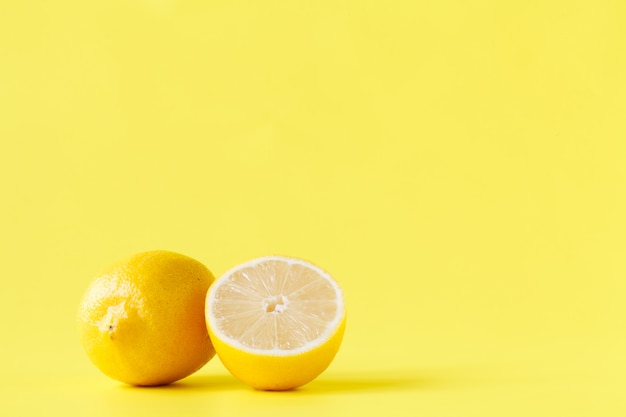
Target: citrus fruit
(141, 321)
(276, 322)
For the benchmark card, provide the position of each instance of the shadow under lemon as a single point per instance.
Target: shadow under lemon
(335, 383)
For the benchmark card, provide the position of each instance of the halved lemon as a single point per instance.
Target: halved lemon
(276, 323)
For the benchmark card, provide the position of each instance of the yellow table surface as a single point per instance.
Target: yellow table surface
(458, 166)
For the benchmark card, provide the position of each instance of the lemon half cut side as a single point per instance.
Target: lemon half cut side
(276, 322)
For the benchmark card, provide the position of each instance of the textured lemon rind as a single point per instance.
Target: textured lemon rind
(278, 372)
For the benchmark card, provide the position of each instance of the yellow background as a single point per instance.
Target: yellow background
(458, 166)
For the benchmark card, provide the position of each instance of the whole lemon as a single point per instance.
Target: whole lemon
(142, 320)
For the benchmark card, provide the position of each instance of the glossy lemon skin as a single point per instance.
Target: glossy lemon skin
(278, 372)
(141, 321)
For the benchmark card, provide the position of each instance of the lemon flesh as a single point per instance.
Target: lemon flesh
(141, 321)
(276, 322)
